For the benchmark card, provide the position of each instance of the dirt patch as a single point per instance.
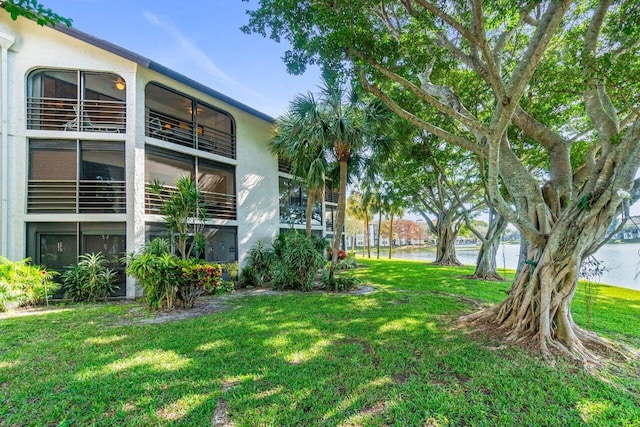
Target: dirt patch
(362, 290)
(214, 303)
(204, 305)
(476, 304)
(221, 416)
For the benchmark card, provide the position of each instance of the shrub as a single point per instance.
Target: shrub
(263, 260)
(320, 243)
(348, 263)
(89, 280)
(198, 277)
(340, 283)
(232, 269)
(249, 277)
(168, 280)
(297, 263)
(158, 271)
(23, 284)
(342, 255)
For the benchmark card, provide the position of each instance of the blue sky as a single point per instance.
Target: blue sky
(200, 39)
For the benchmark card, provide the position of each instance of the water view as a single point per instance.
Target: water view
(621, 260)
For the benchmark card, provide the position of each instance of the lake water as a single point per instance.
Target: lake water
(622, 261)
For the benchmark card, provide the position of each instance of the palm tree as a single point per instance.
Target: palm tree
(337, 123)
(360, 211)
(306, 157)
(394, 207)
(372, 197)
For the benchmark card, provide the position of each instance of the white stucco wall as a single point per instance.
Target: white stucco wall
(38, 47)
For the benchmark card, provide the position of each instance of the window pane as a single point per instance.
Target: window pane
(214, 119)
(104, 87)
(52, 160)
(54, 84)
(166, 167)
(103, 161)
(221, 244)
(168, 104)
(108, 239)
(215, 179)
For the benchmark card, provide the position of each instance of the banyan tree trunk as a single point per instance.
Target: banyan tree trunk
(486, 265)
(446, 252)
(538, 304)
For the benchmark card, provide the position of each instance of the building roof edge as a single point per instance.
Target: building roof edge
(159, 68)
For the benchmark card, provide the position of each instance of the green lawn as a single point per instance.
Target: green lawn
(393, 357)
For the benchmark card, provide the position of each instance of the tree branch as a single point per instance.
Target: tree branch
(421, 124)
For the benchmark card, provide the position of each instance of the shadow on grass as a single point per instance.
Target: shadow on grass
(297, 359)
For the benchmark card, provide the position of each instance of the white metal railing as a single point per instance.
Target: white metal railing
(70, 196)
(76, 115)
(218, 205)
(182, 132)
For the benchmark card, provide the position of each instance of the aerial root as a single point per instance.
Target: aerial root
(591, 338)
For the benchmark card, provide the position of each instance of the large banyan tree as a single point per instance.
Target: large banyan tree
(544, 92)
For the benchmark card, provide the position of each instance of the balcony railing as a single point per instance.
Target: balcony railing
(296, 214)
(218, 205)
(329, 227)
(85, 196)
(71, 115)
(331, 196)
(284, 166)
(184, 133)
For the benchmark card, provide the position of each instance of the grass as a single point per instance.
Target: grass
(393, 357)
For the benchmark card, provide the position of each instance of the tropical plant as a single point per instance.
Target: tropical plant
(306, 158)
(262, 260)
(158, 271)
(359, 209)
(24, 284)
(298, 260)
(184, 214)
(197, 277)
(90, 279)
(340, 282)
(249, 277)
(232, 269)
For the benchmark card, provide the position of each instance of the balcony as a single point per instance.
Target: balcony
(64, 114)
(218, 205)
(176, 131)
(331, 196)
(284, 166)
(83, 196)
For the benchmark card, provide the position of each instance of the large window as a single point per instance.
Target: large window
(221, 243)
(293, 204)
(74, 100)
(76, 177)
(58, 245)
(183, 120)
(215, 180)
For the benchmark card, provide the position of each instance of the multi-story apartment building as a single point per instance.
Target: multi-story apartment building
(86, 126)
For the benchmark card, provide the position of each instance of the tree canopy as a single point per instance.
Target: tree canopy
(546, 93)
(33, 10)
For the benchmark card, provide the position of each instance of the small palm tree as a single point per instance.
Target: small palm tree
(184, 213)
